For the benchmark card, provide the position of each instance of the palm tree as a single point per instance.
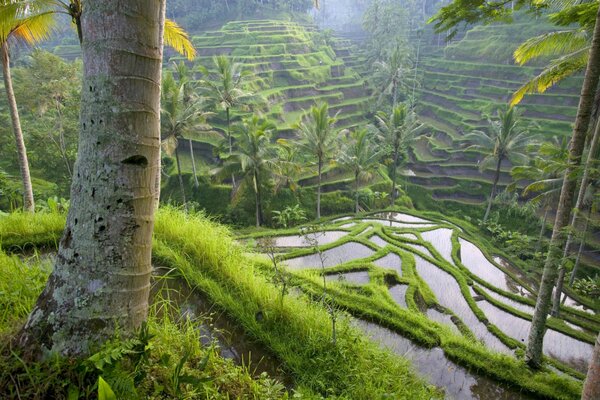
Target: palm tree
(392, 74)
(253, 156)
(288, 164)
(360, 154)
(319, 139)
(182, 116)
(591, 386)
(546, 173)
(563, 212)
(19, 24)
(228, 88)
(396, 132)
(103, 267)
(507, 139)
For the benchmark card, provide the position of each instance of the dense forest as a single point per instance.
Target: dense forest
(354, 199)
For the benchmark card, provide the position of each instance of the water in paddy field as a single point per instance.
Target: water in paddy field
(390, 261)
(321, 238)
(400, 217)
(441, 239)
(338, 255)
(359, 277)
(398, 293)
(457, 382)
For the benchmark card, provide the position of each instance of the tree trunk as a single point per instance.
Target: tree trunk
(356, 192)
(538, 246)
(230, 139)
(181, 185)
(578, 259)
(28, 203)
(257, 200)
(101, 277)
(320, 168)
(589, 164)
(395, 92)
(394, 172)
(493, 193)
(591, 386)
(158, 161)
(196, 184)
(543, 303)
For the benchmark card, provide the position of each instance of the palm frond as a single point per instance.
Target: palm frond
(551, 44)
(178, 39)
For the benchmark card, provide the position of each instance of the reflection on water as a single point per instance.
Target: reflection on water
(359, 277)
(557, 345)
(390, 261)
(457, 382)
(378, 240)
(321, 238)
(441, 239)
(398, 293)
(394, 224)
(447, 291)
(442, 318)
(337, 255)
(400, 217)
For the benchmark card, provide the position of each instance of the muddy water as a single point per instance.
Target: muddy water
(321, 238)
(360, 277)
(401, 217)
(472, 258)
(457, 382)
(448, 294)
(556, 345)
(337, 255)
(390, 261)
(215, 326)
(441, 239)
(398, 293)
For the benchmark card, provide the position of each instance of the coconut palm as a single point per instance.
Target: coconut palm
(319, 139)
(17, 24)
(289, 167)
(228, 87)
(507, 139)
(392, 74)
(360, 155)
(183, 115)
(396, 132)
(563, 211)
(252, 157)
(546, 173)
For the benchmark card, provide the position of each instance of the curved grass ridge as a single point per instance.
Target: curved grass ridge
(372, 302)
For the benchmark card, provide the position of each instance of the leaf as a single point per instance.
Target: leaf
(178, 39)
(105, 392)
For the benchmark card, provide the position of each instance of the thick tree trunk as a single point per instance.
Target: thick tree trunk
(28, 203)
(579, 204)
(196, 184)
(320, 168)
(101, 278)
(180, 178)
(542, 307)
(591, 386)
(394, 173)
(493, 193)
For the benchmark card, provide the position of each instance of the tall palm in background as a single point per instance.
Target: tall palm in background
(506, 139)
(253, 157)
(396, 132)
(319, 139)
(182, 116)
(545, 172)
(360, 154)
(289, 166)
(29, 26)
(228, 87)
(392, 74)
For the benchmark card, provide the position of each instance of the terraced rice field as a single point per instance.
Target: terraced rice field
(387, 267)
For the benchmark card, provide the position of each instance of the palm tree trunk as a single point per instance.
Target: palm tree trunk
(230, 139)
(493, 193)
(394, 172)
(589, 164)
(320, 167)
(538, 246)
(28, 202)
(578, 259)
(356, 192)
(395, 93)
(196, 184)
(257, 200)
(101, 277)
(591, 386)
(158, 160)
(180, 178)
(542, 307)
